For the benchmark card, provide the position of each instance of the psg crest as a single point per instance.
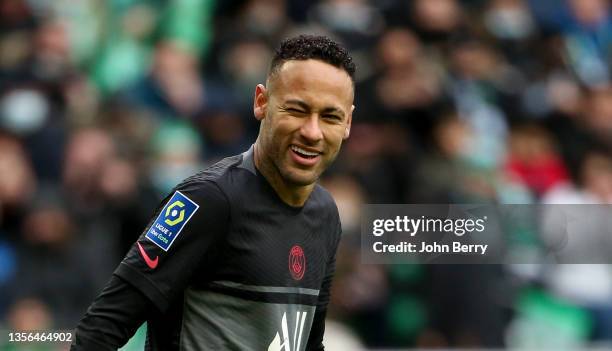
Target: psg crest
(297, 262)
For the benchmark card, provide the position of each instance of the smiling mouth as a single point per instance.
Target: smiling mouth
(304, 153)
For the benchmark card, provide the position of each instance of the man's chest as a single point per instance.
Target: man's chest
(268, 248)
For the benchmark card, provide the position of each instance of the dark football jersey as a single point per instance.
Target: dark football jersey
(230, 266)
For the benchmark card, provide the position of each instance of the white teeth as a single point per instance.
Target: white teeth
(303, 152)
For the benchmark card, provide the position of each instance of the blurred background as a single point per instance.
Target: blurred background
(106, 105)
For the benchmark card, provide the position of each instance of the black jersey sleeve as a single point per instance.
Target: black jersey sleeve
(113, 318)
(184, 231)
(315, 339)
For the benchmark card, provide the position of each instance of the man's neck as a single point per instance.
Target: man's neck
(292, 195)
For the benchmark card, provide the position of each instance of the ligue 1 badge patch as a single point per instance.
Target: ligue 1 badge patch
(297, 262)
(171, 220)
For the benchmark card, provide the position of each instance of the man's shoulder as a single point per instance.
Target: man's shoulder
(325, 202)
(213, 177)
(216, 171)
(327, 212)
(324, 197)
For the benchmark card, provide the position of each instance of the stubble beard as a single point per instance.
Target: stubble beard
(291, 174)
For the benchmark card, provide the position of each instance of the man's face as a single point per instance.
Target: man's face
(305, 114)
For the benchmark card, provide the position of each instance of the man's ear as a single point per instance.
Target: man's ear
(347, 129)
(260, 102)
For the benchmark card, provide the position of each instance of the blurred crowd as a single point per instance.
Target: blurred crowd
(106, 105)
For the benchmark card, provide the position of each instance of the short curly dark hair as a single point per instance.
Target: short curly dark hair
(316, 47)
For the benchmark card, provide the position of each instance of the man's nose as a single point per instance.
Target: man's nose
(311, 129)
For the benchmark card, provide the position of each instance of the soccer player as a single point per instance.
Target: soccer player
(241, 255)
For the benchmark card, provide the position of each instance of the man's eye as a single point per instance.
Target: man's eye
(334, 117)
(294, 110)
